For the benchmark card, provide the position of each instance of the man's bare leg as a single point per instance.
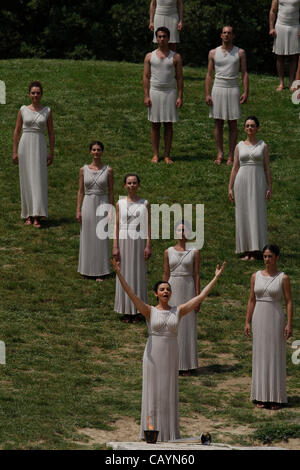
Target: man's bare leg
(155, 139)
(293, 68)
(218, 133)
(168, 137)
(233, 133)
(280, 71)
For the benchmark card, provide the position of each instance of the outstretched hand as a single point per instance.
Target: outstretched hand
(219, 271)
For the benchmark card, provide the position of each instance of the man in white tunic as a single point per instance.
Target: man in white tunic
(286, 34)
(227, 61)
(162, 71)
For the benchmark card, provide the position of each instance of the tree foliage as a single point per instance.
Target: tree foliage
(118, 30)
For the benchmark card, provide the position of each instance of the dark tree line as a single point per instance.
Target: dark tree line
(118, 30)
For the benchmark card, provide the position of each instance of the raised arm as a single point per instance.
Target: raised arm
(151, 14)
(143, 308)
(286, 287)
(209, 77)
(245, 76)
(17, 131)
(179, 78)
(51, 139)
(180, 14)
(267, 171)
(234, 171)
(272, 18)
(250, 307)
(195, 301)
(80, 195)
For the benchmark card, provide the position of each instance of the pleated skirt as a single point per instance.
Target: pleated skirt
(269, 353)
(287, 41)
(226, 103)
(163, 108)
(170, 22)
(133, 269)
(94, 252)
(33, 174)
(160, 387)
(251, 233)
(183, 289)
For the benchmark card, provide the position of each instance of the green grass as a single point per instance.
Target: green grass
(71, 363)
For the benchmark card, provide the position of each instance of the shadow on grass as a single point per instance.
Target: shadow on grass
(293, 402)
(218, 369)
(47, 223)
(192, 158)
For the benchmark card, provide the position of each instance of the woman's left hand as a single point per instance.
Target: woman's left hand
(49, 159)
(180, 26)
(288, 331)
(220, 270)
(147, 253)
(268, 194)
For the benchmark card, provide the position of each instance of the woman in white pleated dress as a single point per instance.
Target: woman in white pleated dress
(95, 199)
(249, 188)
(168, 13)
(286, 34)
(160, 361)
(269, 331)
(181, 270)
(132, 247)
(31, 155)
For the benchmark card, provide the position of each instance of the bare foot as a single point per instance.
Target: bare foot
(36, 222)
(28, 221)
(275, 406)
(219, 160)
(99, 279)
(280, 88)
(245, 258)
(229, 161)
(155, 159)
(260, 405)
(168, 160)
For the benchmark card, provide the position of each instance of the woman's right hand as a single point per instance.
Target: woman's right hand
(247, 330)
(273, 33)
(15, 158)
(116, 254)
(151, 26)
(230, 195)
(78, 217)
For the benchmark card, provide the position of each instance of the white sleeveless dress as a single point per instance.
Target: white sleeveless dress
(94, 251)
(163, 92)
(287, 41)
(166, 14)
(133, 224)
(268, 355)
(251, 233)
(226, 93)
(160, 375)
(32, 153)
(183, 289)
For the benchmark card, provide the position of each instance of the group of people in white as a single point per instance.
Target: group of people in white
(172, 323)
